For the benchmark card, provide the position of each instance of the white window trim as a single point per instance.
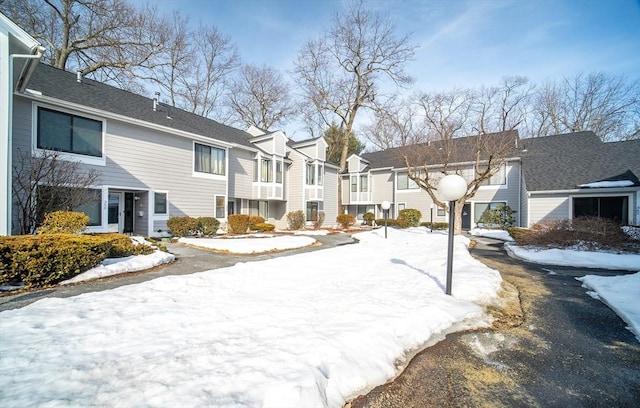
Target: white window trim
(499, 186)
(160, 216)
(209, 176)
(224, 206)
(416, 189)
(38, 152)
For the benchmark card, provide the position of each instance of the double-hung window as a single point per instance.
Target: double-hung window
(311, 174)
(69, 133)
(160, 203)
(364, 183)
(279, 171)
(405, 183)
(498, 179)
(209, 159)
(266, 175)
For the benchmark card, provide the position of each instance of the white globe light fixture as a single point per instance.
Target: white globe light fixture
(385, 208)
(451, 188)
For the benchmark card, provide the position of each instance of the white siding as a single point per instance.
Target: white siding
(546, 207)
(241, 168)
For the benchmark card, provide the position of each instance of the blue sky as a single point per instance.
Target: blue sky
(461, 42)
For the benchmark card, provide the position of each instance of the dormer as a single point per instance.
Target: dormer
(315, 149)
(356, 164)
(273, 143)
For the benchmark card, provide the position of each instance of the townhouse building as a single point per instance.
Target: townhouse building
(156, 161)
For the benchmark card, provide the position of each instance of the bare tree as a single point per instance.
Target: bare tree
(504, 107)
(446, 115)
(218, 59)
(342, 71)
(109, 36)
(606, 104)
(48, 182)
(476, 158)
(260, 96)
(395, 123)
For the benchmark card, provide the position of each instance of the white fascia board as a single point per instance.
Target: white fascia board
(602, 190)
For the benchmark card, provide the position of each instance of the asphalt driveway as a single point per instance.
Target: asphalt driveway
(553, 346)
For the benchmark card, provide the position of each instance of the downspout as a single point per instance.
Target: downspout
(33, 58)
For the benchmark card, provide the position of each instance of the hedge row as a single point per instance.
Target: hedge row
(406, 223)
(40, 260)
(188, 226)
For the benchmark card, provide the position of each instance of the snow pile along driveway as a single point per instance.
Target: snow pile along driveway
(308, 330)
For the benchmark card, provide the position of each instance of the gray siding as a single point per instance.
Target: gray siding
(524, 203)
(330, 203)
(295, 178)
(547, 207)
(241, 168)
(382, 183)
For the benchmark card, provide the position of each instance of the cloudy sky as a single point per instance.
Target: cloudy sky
(461, 42)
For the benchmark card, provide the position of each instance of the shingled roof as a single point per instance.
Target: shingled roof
(564, 162)
(63, 85)
(461, 149)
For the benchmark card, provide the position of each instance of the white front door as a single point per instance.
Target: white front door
(115, 212)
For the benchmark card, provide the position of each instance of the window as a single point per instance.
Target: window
(260, 208)
(320, 174)
(440, 212)
(364, 183)
(266, 175)
(481, 208)
(401, 206)
(311, 174)
(209, 159)
(361, 210)
(405, 183)
(88, 201)
(498, 179)
(354, 184)
(279, 171)
(312, 211)
(220, 204)
(69, 133)
(613, 208)
(160, 203)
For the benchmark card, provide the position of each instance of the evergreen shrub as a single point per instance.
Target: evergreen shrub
(182, 226)
(264, 227)
(64, 222)
(207, 226)
(255, 219)
(368, 218)
(346, 220)
(40, 260)
(238, 223)
(409, 217)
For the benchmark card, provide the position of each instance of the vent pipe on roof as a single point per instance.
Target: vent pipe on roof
(156, 99)
(79, 76)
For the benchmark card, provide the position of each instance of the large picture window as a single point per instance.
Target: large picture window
(481, 208)
(209, 160)
(68, 133)
(83, 200)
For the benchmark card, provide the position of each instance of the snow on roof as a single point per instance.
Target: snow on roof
(604, 184)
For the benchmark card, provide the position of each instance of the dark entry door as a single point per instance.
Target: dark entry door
(128, 212)
(466, 216)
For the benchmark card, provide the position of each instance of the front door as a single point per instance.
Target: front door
(466, 216)
(121, 212)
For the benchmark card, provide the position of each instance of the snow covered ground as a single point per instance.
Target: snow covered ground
(308, 330)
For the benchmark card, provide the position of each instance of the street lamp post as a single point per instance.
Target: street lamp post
(385, 208)
(431, 221)
(451, 188)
